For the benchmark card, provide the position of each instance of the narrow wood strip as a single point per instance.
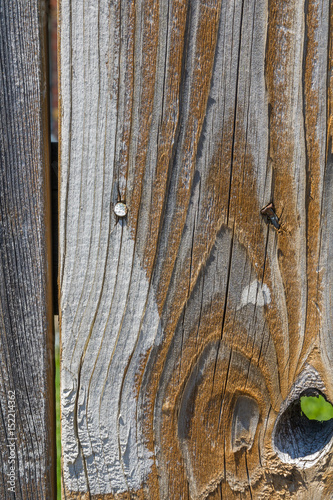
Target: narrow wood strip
(27, 427)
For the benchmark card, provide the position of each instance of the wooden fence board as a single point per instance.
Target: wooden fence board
(26, 318)
(191, 327)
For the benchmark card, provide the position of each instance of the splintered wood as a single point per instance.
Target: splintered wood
(190, 325)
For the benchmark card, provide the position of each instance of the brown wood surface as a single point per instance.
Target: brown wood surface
(26, 321)
(191, 327)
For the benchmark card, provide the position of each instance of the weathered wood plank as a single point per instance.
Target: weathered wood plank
(191, 327)
(26, 318)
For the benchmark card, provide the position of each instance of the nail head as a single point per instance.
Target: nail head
(120, 209)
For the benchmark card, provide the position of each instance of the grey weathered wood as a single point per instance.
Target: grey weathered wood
(26, 319)
(191, 327)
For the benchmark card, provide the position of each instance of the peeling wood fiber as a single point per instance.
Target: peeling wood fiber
(191, 327)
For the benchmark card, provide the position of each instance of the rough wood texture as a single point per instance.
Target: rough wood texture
(26, 320)
(191, 327)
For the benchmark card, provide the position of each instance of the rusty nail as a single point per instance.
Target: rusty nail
(269, 212)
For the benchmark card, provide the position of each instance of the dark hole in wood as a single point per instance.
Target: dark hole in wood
(296, 435)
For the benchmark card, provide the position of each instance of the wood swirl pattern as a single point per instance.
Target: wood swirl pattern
(191, 327)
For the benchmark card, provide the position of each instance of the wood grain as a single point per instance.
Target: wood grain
(191, 327)
(26, 319)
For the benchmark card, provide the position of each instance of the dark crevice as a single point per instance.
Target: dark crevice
(296, 436)
(54, 215)
(75, 425)
(177, 132)
(165, 62)
(248, 477)
(265, 257)
(225, 305)
(235, 111)
(230, 186)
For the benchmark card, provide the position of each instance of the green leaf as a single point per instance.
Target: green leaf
(316, 408)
